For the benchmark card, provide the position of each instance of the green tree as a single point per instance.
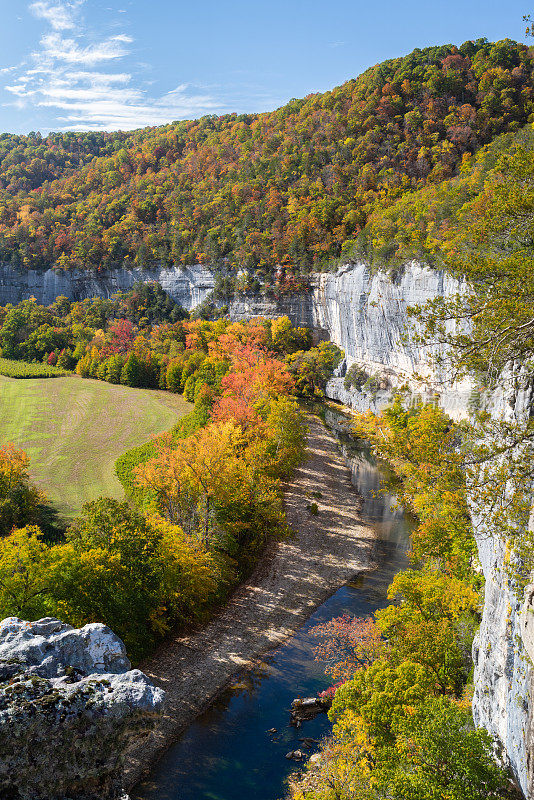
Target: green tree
(132, 371)
(312, 369)
(110, 570)
(174, 376)
(139, 575)
(383, 694)
(286, 339)
(432, 622)
(441, 755)
(114, 367)
(19, 499)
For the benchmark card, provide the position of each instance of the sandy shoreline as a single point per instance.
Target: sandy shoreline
(293, 579)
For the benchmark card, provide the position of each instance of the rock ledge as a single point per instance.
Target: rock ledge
(70, 708)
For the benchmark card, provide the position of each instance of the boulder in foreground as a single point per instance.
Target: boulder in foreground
(70, 708)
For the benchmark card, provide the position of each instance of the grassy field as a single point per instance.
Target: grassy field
(74, 429)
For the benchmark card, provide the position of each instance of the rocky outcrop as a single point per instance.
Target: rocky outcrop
(70, 708)
(305, 708)
(366, 314)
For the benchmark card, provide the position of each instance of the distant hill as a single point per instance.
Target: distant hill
(291, 187)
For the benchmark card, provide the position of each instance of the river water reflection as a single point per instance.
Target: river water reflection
(228, 752)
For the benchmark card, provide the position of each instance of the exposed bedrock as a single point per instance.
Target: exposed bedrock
(366, 313)
(187, 285)
(503, 650)
(70, 708)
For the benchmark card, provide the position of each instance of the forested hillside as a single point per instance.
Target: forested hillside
(438, 221)
(27, 162)
(289, 187)
(205, 497)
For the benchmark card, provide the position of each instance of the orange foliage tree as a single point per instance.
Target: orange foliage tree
(19, 500)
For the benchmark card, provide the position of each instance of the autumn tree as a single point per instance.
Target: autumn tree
(19, 499)
(440, 754)
(432, 623)
(121, 336)
(347, 644)
(208, 483)
(384, 694)
(25, 574)
(423, 447)
(262, 197)
(437, 753)
(137, 575)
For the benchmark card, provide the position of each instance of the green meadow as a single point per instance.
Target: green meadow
(74, 429)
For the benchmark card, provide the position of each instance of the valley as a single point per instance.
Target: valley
(267, 420)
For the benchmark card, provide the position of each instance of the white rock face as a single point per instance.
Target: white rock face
(298, 307)
(503, 678)
(50, 644)
(366, 314)
(189, 286)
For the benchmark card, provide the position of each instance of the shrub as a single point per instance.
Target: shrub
(22, 369)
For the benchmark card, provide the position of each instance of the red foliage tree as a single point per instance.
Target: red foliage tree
(121, 336)
(347, 644)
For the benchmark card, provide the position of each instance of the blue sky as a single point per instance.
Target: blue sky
(122, 64)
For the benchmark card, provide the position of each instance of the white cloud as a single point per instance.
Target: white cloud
(54, 46)
(72, 72)
(59, 15)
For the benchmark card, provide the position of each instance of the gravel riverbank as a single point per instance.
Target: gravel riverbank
(295, 576)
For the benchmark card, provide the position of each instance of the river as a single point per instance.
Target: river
(229, 752)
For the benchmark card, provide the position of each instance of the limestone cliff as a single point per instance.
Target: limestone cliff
(363, 313)
(366, 315)
(189, 286)
(503, 677)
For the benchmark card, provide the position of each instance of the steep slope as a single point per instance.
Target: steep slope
(432, 223)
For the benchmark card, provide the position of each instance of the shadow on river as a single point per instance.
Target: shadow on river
(228, 752)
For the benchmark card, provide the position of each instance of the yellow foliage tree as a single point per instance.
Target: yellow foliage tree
(24, 573)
